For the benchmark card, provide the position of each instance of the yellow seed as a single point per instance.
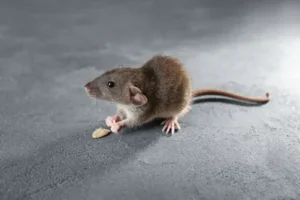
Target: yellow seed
(100, 132)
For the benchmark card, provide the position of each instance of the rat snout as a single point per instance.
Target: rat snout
(88, 87)
(92, 89)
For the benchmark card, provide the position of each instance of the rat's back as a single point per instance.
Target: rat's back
(170, 83)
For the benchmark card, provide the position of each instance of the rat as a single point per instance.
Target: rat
(160, 88)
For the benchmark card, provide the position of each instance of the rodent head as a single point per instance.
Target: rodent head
(115, 85)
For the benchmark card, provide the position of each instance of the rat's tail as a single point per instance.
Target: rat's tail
(198, 93)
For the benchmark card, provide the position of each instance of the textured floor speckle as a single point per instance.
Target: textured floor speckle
(50, 49)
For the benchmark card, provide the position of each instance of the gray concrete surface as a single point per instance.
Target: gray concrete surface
(49, 49)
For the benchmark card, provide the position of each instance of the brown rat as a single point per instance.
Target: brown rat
(160, 88)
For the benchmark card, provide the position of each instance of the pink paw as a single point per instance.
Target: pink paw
(115, 128)
(111, 120)
(170, 125)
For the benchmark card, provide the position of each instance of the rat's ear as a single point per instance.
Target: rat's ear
(136, 96)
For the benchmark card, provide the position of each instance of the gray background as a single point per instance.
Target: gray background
(50, 49)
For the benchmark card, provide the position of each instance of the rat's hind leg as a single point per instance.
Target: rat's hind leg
(171, 124)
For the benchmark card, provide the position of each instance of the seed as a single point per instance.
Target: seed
(100, 132)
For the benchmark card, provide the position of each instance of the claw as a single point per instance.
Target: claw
(177, 125)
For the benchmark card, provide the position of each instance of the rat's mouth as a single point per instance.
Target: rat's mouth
(92, 93)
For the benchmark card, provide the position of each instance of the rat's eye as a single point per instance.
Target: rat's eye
(110, 84)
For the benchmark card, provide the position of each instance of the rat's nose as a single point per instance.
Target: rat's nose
(87, 86)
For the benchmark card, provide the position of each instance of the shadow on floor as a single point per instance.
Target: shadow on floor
(72, 159)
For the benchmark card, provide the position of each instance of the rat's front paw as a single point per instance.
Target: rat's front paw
(111, 120)
(115, 128)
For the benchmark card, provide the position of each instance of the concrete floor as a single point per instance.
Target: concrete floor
(49, 49)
